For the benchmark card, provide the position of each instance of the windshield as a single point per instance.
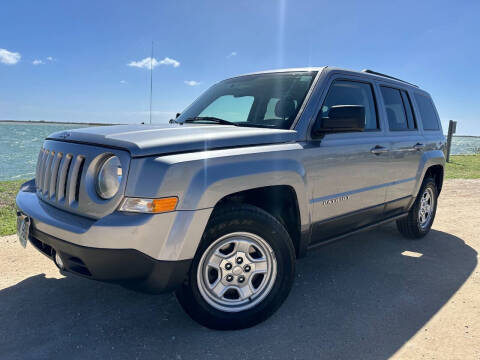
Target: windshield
(265, 100)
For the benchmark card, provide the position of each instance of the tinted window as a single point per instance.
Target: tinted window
(427, 112)
(344, 92)
(270, 100)
(234, 108)
(399, 109)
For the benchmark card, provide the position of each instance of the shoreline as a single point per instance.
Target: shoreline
(55, 122)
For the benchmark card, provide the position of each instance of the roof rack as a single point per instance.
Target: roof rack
(368, 71)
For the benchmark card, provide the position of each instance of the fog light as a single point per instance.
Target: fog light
(59, 262)
(412, 254)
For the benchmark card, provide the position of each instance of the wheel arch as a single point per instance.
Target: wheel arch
(280, 201)
(437, 173)
(432, 164)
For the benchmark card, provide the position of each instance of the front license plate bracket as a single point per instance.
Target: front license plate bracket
(23, 228)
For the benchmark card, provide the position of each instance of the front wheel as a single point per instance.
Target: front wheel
(242, 272)
(420, 217)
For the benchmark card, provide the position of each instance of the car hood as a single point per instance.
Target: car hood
(146, 140)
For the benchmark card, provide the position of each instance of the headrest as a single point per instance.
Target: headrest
(285, 108)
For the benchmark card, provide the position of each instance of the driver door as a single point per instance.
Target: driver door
(347, 170)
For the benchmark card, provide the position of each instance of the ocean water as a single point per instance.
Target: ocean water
(19, 147)
(21, 142)
(465, 145)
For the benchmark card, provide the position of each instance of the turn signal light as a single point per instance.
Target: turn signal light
(164, 205)
(154, 206)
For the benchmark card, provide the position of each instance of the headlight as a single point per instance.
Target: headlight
(109, 177)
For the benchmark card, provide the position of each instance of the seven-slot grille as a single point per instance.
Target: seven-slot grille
(58, 176)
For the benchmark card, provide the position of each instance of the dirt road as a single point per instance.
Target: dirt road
(359, 298)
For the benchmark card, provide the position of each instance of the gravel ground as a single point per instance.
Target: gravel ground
(359, 298)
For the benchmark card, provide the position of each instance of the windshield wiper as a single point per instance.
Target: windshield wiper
(210, 118)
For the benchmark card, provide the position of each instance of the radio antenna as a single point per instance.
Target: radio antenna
(151, 83)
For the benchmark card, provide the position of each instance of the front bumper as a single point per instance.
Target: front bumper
(123, 266)
(149, 251)
(169, 236)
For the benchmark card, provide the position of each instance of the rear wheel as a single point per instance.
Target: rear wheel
(242, 272)
(420, 217)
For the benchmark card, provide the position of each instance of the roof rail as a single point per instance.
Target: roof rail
(368, 71)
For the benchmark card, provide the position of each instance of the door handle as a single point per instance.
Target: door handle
(418, 146)
(378, 149)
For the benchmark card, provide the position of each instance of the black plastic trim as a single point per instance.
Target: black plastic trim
(127, 267)
(346, 224)
(363, 228)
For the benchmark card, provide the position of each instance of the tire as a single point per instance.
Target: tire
(234, 232)
(412, 226)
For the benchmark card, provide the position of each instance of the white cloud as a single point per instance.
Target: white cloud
(39, 61)
(191, 82)
(8, 57)
(123, 82)
(233, 53)
(145, 63)
(168, 61)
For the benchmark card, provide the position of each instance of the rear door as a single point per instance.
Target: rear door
(407, 146)
(347, 170)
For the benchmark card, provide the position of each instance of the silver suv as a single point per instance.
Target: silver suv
(220, 203)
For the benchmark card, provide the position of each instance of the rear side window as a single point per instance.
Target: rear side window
(427, 112)
(399, 109)
(343, 92)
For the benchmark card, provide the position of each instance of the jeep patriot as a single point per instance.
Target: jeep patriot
(218, 204)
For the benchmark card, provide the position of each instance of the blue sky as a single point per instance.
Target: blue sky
(83, 51)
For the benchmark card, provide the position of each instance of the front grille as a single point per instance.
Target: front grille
(58, 176)
(65, 177)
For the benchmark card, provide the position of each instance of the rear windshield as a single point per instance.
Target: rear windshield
(265, 100)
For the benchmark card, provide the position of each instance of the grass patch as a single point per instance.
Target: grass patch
(463, 167)
(8, 217)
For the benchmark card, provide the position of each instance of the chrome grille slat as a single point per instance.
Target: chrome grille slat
(54, 173)
(44, 168)
(46, 175)
(39, 163)
(73, 177)
(62, 177)
(41, 170)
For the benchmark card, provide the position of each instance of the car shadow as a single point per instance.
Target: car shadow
(356, 298)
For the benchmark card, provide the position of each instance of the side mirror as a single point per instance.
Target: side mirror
(341, 118)
(176, 116)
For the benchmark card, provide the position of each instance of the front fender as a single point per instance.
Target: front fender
(210, 184)
(202, 179)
